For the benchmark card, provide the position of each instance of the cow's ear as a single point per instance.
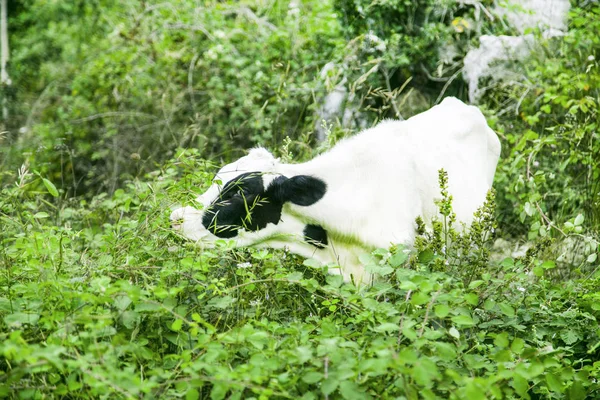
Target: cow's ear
(302, 190)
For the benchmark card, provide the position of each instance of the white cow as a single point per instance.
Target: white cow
(364, 193)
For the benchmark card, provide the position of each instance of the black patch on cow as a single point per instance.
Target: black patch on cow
(302, 190)
(245, 204)
(315, 235)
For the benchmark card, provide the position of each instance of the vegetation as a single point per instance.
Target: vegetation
(120, 109)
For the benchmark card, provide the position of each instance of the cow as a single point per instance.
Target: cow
(364, 193)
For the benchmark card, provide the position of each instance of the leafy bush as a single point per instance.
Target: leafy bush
(406, 55)
(105, 98)
(100, 299)
(551, 171)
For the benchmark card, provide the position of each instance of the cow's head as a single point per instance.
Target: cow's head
(245, 196)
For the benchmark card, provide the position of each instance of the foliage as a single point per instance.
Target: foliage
(100, 300)
(107, 97)
(551, 170)
(404, 56)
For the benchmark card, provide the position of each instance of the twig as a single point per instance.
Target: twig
(427, 312)
(452, 78)
(402, 319)
(113, 114)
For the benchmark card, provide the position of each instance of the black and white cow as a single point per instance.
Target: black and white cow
(364, 193)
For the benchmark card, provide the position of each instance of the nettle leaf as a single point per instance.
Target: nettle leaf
(570, 336)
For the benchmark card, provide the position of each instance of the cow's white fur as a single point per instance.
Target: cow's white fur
(378, 182)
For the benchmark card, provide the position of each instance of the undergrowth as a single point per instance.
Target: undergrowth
(100, 299)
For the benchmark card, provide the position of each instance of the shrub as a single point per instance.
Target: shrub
(107, 98)
(100, 299)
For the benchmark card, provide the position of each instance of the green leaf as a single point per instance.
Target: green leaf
(351, 391)
(312, 377)
(192, 394)
(425, 256)
(441, 310)
(464, 320)
(521, 386)
(387, 327)
(517, 345)
(454, 333)
(507, 309)
(419, 298)
(592, 258)
(548, 265)
(50, 187)
(329, 385)
(398, 259)
(501, 340)
(471, 298)
(554, 383)
(569, 336)
(41, 215)
(20, 318)
(176, 325)
(579, 220)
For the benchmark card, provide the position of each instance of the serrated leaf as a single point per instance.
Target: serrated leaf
(569, 336)
(50, 187)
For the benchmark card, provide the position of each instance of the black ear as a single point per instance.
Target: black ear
(302, 190)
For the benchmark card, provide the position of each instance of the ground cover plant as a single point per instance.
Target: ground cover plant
(99, 298)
